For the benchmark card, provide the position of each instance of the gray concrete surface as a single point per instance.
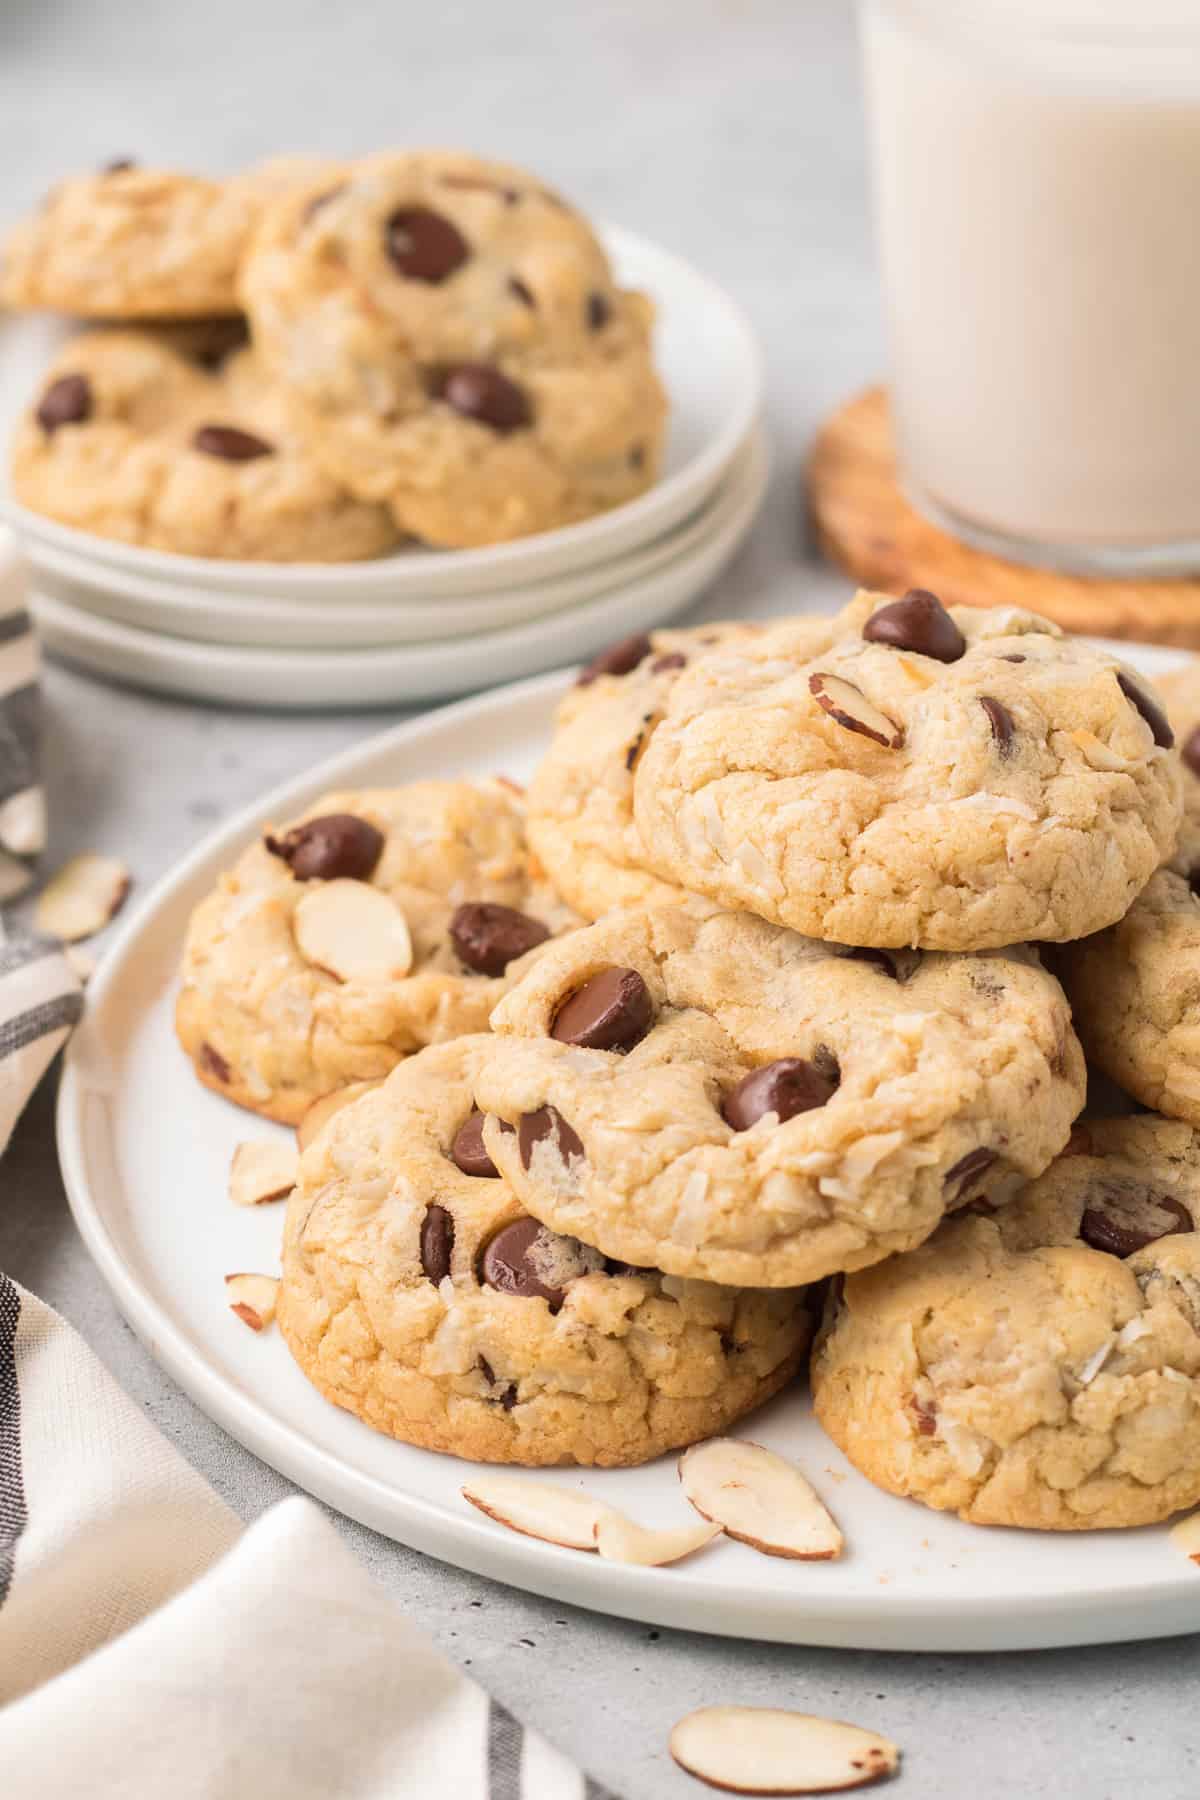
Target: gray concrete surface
(731, 133)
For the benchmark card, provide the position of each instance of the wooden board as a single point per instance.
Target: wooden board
(863, 522)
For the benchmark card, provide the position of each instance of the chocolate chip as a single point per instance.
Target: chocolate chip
(520, 291)
(546, 1123)
(635, 750)
(230, 444)
(918, 623)
(67, 401)
(468, 1153)
(482, 393)
(509, 1263)
(676, 660)
(437, 1243)
(1150, 710)
(612, 1011)
(1014, 659)
(618, 659)
(962, 1174)
(488, 937)
(424, 245)
(1001, 721)
(786, 1088)
(334, 845)
(1191, 751)
(118, 165)
(599, 311)
(507, 1397)
(213, 1063)
(1124, 1215)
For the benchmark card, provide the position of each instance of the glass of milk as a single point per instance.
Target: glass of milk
(1037, 181)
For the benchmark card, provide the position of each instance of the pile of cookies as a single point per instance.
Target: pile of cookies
(746, 1009)
(315, 361)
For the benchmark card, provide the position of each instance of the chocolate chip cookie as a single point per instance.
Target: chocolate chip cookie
(419, 1294)
(156, 439)
(944, 779)
(380, 921)
(719, 1097)
(1135, 988)
(1039, 1366)
(455, 345)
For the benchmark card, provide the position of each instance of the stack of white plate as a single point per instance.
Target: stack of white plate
(424, 623)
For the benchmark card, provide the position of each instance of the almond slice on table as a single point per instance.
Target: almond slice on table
(354, 931)
(314, 1121)
(252, 1298)
(82, 897)
(760, 1499)
(264, 1169)
(849, 707)
(765, 1750)
(534, 1508)
(620, 1539)
(1186, 1536)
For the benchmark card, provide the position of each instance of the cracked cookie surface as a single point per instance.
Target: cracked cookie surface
(949, 780)
(455, 345)
(719, 1097)
(132, 437)
(1039, 1367)
(273, 1028)
(421, 1296)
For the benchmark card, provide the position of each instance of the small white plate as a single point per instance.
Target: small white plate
(294, 680)
(145, 1153)
(712, 367)
(269, 621)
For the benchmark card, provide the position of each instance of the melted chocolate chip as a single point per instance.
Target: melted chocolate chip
(482, 393)
(424, 245)
(1122, 1216)
(1191, 751)
(332, 846)
(1014, 659)
(1150, 710)
(487, 937)
(230, 443)
(67, 401)
(599, 311)
(960, 1177)
(468, 1152)
(785, 1088)
(618, 659)
(520, 291)
(437, 1243)
(546, 1123)
(510, 1263)
(918, 623)
(1001, 721)
(214, 1064)
(676, 660)
(612, 1011)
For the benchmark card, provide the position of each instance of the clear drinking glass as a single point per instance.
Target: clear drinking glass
(1037, 182)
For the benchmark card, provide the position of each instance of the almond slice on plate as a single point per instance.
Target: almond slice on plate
(761, 1499)
(80, 900)
(314, 1121)
(849, 707)
(354, 931)
(764, 1750)
(264, 1169)
(252, 1298)
(620, 1539)
(1186, 1536)
(534, 1508)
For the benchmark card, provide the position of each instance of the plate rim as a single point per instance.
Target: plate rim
(849, 1619)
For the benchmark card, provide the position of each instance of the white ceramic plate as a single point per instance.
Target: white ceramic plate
(150, 603)
(145, 1153)
(712, 367)
(294, 680)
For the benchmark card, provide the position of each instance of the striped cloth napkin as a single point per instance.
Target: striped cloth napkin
(149, 1644)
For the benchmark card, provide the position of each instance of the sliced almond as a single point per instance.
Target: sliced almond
(353, 931)
(760, 1499)
(1186, 1536)
(849, 706)
(623, 1540)
(765, 1750)
(252, 1298)
(537, 1510)
(314, 1121)
(81, 899)
(262, 1170)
